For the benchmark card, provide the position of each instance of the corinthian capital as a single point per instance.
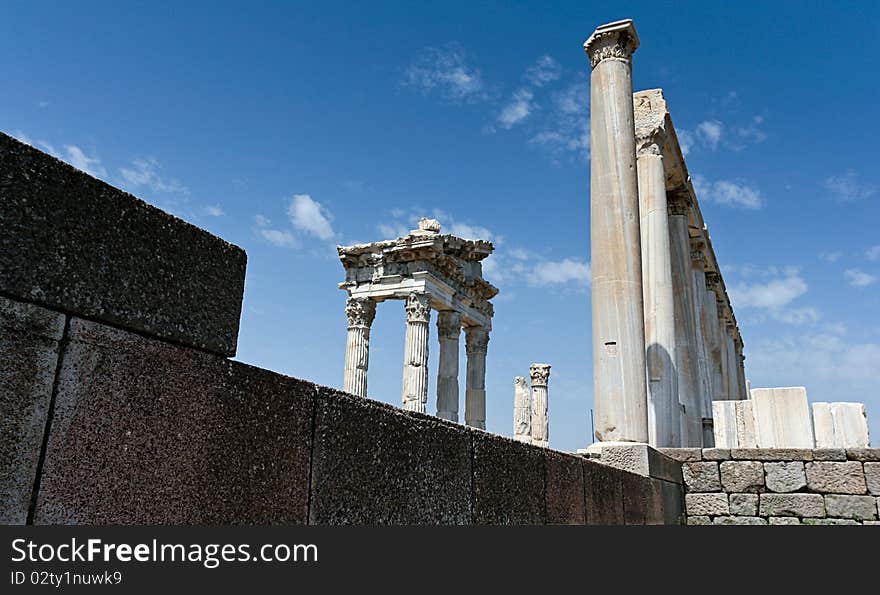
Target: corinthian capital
(540, 374)
(449, 325)
(616, 40)
(476, 339)
(650, 142)
(418, 307)
(360, 312)
(678, 201)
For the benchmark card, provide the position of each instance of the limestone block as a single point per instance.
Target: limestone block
(603, 494)
(636, 490)
(683, 455)
(871, 522)
(801, 505)
(841, 425)
(744, 504)
(872, 477)
(836, 478)
(701, 477)
(565, 489)
(863, 508)
(640, 459)
(706, 504)
(863, 454)
(739, 520)
(784, 520)
(830, 522)
(716, 454)
(829, 454)
(699, 520)
(508, 483)
(742, 476)
(782, 417)
(673, 502)
(772, 454)
(734, 424)
(785, 476)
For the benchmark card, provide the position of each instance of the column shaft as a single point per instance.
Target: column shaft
(476, 344)
(704, 373)
(449, 331)
(733, 390)
(522, 410)
(360, 313)
(540, 376)
(415, 357)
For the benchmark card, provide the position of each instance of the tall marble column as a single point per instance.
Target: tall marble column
(733, 389)
(741, 369)
(715, 326)
(619, 383)
(415, 356)
(664, 413)
(449, 331)
(540, 376)
(698, 284)
(522, 410)
(476, 340)
(678, 202)
(360, 313)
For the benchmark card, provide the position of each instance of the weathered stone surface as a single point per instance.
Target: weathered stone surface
(742, 476)
(830, 522)
(29, 339)
(659, 512)
(508, 486)
(706, 504)
(802, 505)
(683, 455)
(734, 424)
(603, 494)
(701, 477)
(642, 460)
(841, 425)
(74, 243)
(829, 454)
(145, 432)
(872, 477)
(784, 520)
(744, 504)
(785, 476)
(782, 417)
(716, 454)
(739, 520)
(565, 489)
(636, 491)
(772, 454)
(699, 520)
(863, 454)
(863, 508)
(836, 478)
(873, 523)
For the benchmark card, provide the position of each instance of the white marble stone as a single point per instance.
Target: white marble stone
(415, 355)
(360, 313)
(522, 410)
(540, 377)
(841, 425)
(476, 345)
(448, 331)
(734, 424)
(782, 417)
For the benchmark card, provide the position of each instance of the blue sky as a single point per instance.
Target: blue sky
(288, 129)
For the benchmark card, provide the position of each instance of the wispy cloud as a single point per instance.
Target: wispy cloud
(727, 192)
(566, 129)
(753, 131)
(859, 278)
(847, 187)
(308, 215)
(277, 237)
(72, 154)
(213, 210)
(544, 70)
(517, 109)
(830, 256)
(773, 295)
(710, 132)
(446, 71)
(873, 253)
(560, 272)
(145, 173)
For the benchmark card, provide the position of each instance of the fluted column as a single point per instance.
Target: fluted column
(698, 284)
(415, 356)
(522, 410)
(360, 313)
(733, 365)
(476, 344)
(449, 331)
(741, 370)
(540, 376)
(664, 413)
(619, 384)
(715, 324)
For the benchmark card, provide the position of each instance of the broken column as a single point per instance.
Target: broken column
(415, 356)
(360, 313)
(449, 331)
(522, 410)
(476, 342)
(619, 382)
(841, 425)
(540, 376)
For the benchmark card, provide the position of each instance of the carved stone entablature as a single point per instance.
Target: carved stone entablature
(540, 374)
(476, 339)
(418, 308)
(678, 201)
(713, 281)
(616, 40)
(360, 312)
(698, 254)
(650, 143)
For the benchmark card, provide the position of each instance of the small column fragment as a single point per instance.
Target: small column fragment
(522, 410)
(540, 375)
(449, 331)
(360, 313)
(415, 357)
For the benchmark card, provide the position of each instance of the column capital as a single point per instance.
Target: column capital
(713, 281)
(476, 339)
(540, 374)
(360, 311)
(448, 324)
(616, 40)
(650, 142)
(418, 307)
(678, 201)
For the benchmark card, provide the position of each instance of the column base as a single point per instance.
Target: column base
(448, 415)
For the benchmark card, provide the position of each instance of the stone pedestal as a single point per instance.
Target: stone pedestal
(360, 313)
(522, 410)
(415, 356)
(619, 382)
(476, 343)
(449, 331)
(540, 376)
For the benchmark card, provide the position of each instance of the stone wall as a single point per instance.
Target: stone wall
(781, 486)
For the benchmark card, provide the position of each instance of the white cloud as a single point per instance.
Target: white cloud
(544, 70)
(873, 253)
(772, 295)
(805, 315)
(752, 131)
(710, 132)
(567, 270)
(686, 141)
(859, 278)
(78, 159)
(470, 232)
(517, 109)
(214, 210)
(277, 237)
(566, 130)
(144, 172)
(446, 71)
(21, 136)
(830, 256)
(726, 192)
(308, 215)
(392, 230)
(847, 187)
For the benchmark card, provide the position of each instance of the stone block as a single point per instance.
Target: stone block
(706, 504)
(673, 502)
(800, 505)
(701, 477)
(872, 478)
(734, 424)
(863, 454)
(656, 513)
(742, 476)
(782, 417)
(873, 523)
(841, 425)
(29, 344)
(603, 494)
(640, 459)
(739, 520)
(772, 454)
(743, 504)
(836, 478)
(863, 508)
(699, 520)
(76, 244)
(716, 454)
(508, 481)
(786, 476)
(149, 433)
(683, 455)
(636, 490)
(829, 454)
(829, 522)
(784, 520)
(565, 489)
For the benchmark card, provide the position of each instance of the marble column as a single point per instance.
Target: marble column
(476, 340)
(449, 331)
(664, 424)
(360, 313)
(740, 368)
(619, 384)
(715, 326)
(415, 356)
(540, 376)
(704, 373)
(522, 410)
(678, 202)
(733, 390)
